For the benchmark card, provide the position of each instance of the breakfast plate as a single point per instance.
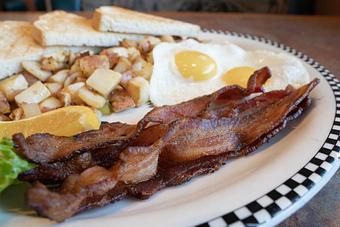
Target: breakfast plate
(261, 189)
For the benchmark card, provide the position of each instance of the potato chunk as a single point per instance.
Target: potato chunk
(34, 68)
(138, 89)
(30, 110)
(13, 85)
(50, 103)
(121, 100)
(73, 89)
(53, 87)
(104, 81)
(52, 64)
(34, 94)
(59, 77)
(91, 98)
(4, 105)
(89, 64)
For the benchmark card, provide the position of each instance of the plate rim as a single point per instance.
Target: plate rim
(296, 191)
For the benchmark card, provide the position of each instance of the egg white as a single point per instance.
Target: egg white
(168, 87)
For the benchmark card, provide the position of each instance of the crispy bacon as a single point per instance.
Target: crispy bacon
(59, 161)
(189, 147)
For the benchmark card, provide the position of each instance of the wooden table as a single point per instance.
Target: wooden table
(316, 36)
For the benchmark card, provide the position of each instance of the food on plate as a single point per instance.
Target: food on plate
(10, 164)
(116, 19)
(181, 147)
(18, 45)
(65, 121)
(78, 32)
(188, 69)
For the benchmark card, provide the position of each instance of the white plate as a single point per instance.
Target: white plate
(262, 188)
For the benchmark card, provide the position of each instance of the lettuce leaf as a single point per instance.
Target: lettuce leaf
(11, 165)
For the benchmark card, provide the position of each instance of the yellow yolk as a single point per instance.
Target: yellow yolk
(238, 76)
(195, 65)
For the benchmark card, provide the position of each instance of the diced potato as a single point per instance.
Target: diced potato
(167, 38)
(73, 90)
(4, 118)
(34, 68)
(91, 98)
(138, 89)
(113, 56)
(70, 79)
(142, 68)
(17, 114)
(4, 105)
(148, 43)
(126, 76)
(13, 85)
(65, 98)
(34, 94)
(80, 79)
(120, 51)
(128, 43)
(106, 109)
(30, 110)
(52, 64)
(89, 64)
(76, 66)
(123, 65)
(133, 53)
(104, 81)
(50, 103)
(60, 76)
(149, 57)
(54, 87)
(121, 100)
(29, 78)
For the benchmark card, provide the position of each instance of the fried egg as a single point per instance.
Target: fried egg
(189, 69)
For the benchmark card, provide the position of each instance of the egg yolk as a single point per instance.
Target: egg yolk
(195, 65)
(238, 76)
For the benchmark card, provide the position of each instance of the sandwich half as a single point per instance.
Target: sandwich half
(61, 28)
(116, 19)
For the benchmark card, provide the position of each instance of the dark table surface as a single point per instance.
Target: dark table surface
(316, 36)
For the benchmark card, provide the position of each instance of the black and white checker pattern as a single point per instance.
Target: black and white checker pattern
(279, 199)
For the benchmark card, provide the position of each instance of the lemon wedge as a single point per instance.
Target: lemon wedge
(66, 121)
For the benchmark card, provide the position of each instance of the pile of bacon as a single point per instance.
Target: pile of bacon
(169, 146)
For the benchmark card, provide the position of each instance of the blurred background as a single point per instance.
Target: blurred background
(328, 7)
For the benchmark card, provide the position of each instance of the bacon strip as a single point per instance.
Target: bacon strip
(46, 148)
(190, 147)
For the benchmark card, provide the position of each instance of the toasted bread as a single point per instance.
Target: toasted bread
(61, 28)
(116, 19)
(17, 45)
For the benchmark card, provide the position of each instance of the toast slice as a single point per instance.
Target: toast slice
(116, 19)
(17, 45)
(61, 28)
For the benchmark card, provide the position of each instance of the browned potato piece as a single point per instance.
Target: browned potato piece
(128, 43)
(133, 53)
(142, 68)
(126, 76)
(50, 103)
(4, 105)
(29, 78)
(138, 89)
(59, 77)
(35, 69)
(123, 65)
(167, 38)
(71, 78)
(89, 64)
(17, 114)
(121, 100)
(65, 98)
(4, 118)
(13, 85)
(147, 44)
(51, 64)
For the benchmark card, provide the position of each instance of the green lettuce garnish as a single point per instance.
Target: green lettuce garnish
(11, 165)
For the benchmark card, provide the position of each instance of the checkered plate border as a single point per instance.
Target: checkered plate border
(264, 208)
